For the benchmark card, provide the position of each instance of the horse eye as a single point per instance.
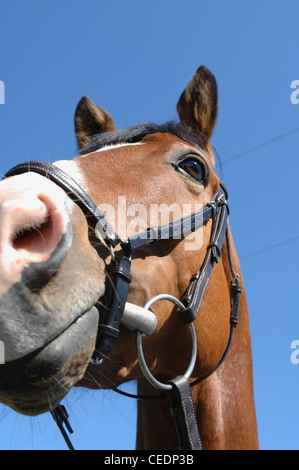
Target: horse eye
(194, 168)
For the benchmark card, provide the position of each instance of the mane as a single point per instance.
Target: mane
(137, 132)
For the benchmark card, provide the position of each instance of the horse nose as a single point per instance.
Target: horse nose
(35, 232)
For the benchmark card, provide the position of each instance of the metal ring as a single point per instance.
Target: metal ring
(147, 373)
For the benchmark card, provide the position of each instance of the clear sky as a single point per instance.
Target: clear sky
(134, 58)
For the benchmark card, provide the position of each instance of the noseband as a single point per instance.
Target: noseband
(140, 319)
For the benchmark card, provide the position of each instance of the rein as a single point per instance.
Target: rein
(140, 319)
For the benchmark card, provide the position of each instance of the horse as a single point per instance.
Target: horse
(119, 265)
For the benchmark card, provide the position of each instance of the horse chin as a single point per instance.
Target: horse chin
(38, 382)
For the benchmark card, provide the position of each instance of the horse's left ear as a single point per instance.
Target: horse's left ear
(197, 105)
(90, 119)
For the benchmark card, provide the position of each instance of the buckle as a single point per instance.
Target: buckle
(213, 205)
(216, 252)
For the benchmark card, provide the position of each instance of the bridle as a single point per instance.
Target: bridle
(140, 319)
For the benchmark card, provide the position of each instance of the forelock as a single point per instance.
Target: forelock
(137, 132)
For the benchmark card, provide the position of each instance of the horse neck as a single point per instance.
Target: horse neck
(224, 401)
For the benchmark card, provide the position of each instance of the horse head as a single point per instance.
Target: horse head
(58, 270)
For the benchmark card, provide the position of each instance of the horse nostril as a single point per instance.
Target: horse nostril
(36, 229)
(35, 235)
(43, 240)
(37, 274)
(31, 235)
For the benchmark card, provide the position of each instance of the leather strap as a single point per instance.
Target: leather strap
(183, 411)
(199, 282)
(61, 417)
(108, 329)
(177, 229)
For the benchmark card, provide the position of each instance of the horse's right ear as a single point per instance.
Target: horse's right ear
(90, 119)
(197, 105)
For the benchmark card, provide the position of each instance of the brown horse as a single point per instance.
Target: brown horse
(55, 273)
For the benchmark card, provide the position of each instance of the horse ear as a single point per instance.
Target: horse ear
(197, 105)
(90, 119)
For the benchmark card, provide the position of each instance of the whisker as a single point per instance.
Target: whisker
(105, 377)
(60, 384)
(93, 380)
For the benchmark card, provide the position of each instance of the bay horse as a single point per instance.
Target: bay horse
(79, 283)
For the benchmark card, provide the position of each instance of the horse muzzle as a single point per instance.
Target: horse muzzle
(35, 238)
(38, 382)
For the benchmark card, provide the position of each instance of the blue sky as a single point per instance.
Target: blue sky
(134, 58)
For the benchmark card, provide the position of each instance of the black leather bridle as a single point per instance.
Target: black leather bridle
(111, 314)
